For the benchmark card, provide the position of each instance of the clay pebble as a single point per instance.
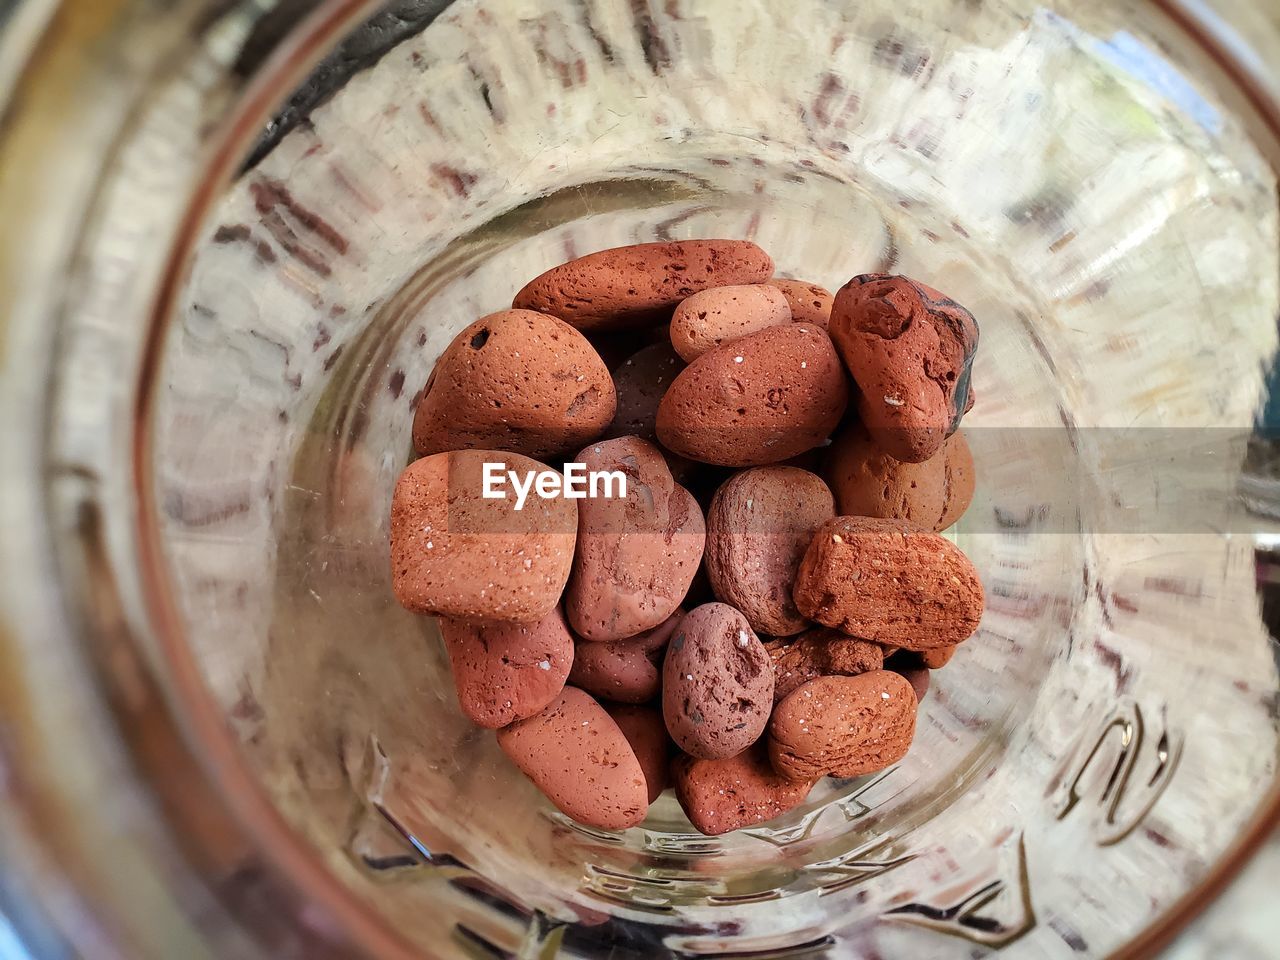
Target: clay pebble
(910, 349)
(843, 726)
(458, 554)
(578, 757)
(641, 285)
(886, 581)
(518, 381)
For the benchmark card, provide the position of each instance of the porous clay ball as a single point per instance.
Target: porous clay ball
(843, 726)
(717, 683)
(581, 760)
(886, 581)
(507, 671)
(723, 314)
(741, 791)
(910, 350)
(647, 734)
(625, 671)
(518, 381)
(760, 523)
(456, 553)
(636, 554)
(641, 285)
(758, 400)
(867, 482)
(809, 302)
(820, 652)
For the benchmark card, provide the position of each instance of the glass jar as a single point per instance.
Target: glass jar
(237, 236)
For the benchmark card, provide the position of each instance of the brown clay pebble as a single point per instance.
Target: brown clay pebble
(636, 554)
(647, 734)
(722, 314)
(843, 726)
(867, 482)
(457, 554)
(518, 381)
(759, 525)
(960, 480)
(937, 658)
(886, 581)
(627, 671)
(743, 791)
(641, 380)
(910, 350)
(577, 756)
(761, 399)
(818, 653)
(507, 671)
(809, 302)
(640, 285)
(717, 683)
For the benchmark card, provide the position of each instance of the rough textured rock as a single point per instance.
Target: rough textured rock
(843, 726)
(578, 757)
(809, 302)
(760, 523)
(820, 652)
(647, 734)
(518, 381)
(867, 482)
(641, 285)
(717, 683)
(507, 671)
(886, 581)
(458, 554)
(636, 554)
(910, 350)
(761, 399)
(721, 315)
(735, 792)
(625, 671)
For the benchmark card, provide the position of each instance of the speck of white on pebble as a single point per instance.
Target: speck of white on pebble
(688, 676)
(585, 722)
(737, 359)
(742, 638)
(895, 401)
(751, 504)
(836, 538)
(804, 364)
(581, 378)
(884, 696)
(528, 564)
(430, 545)
(544, 665)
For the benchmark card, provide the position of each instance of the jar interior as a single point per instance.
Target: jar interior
(1068, 172)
